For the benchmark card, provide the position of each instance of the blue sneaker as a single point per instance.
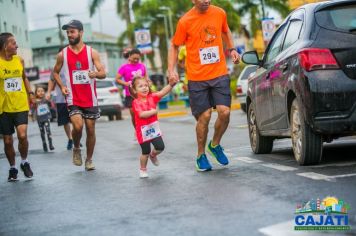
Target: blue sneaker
(202, 163)
(218, 153)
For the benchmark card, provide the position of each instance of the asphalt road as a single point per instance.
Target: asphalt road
(254, 195)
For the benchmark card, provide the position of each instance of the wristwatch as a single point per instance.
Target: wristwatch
(232, 49)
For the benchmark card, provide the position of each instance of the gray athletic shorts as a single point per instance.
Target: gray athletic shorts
(204, 95)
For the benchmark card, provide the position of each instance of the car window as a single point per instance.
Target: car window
(104, 84)
(275, 45)
(340, 18)
(293, 33)
(248, 70)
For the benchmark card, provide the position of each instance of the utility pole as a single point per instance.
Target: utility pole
(60, 35)
(263, 9)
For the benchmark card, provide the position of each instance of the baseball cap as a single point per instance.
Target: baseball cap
(76, 24)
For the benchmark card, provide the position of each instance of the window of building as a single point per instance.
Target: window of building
(5, 27)
(48, 40)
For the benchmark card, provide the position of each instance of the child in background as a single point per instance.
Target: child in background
(43, 116)
(147, 128)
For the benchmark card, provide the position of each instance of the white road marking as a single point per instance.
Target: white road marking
(248, 160)
(343, 176)
(316, 176)
(280, 167)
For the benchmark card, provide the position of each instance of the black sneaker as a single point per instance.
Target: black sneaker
(70, 144)
(51, 147)
(12, 175)
(27, 170)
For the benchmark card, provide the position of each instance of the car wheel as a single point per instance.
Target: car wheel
(307, 145)
(259, 144)
(118, 115)
(243, 107)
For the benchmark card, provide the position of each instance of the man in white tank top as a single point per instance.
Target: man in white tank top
(81, 65)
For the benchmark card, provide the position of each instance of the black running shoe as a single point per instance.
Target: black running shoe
(12, 175)
(27, 170)
(51, 147)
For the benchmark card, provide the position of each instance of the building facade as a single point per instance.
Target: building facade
(46, 43)
(13, 19)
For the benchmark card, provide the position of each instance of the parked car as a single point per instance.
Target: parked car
(305, 86)
(241, 88)
(109, 98)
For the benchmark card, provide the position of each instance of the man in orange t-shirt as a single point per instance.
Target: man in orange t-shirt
(203, 30)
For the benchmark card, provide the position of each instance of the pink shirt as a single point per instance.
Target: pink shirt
(129, 71)
(146, 128)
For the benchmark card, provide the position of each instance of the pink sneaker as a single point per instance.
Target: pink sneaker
(154, 159)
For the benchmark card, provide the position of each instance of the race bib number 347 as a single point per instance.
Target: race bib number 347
(13, 84)
(81, 77)
(209, 55)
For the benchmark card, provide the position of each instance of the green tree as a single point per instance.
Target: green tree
(256, 9)
(147, 13)
(123, 10)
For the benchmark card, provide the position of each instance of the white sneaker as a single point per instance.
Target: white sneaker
(143, 174)
(154, 160)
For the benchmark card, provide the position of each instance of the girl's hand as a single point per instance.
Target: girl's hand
(128, 84)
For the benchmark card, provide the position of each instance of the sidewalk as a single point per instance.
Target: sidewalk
(179, 110)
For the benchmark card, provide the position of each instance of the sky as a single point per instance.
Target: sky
(41, 14)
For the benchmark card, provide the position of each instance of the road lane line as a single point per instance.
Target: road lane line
(248, 160)
(279, 167)
(335, 165)
(343, 176)
(316, 176)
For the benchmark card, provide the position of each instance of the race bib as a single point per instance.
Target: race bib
(81, 77)
(209, 55)
(150, 131)
(42, 109)
(13, 84)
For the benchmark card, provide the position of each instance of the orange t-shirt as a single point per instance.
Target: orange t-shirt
(202, 35)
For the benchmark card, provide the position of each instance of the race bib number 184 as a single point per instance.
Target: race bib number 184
(13, 84)
(81, 77)
(209, 55)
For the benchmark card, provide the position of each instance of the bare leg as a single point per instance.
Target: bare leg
(143, 161)
(23, 142)
(77, 122)
(9, 149)
(91, 138)
(221, 123)
(67, 130)
(202, 129)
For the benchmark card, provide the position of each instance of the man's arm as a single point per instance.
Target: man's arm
(51, 85)
(27, 83)
(227, 38)
(56, 70)
(100, 73)
(172, 62)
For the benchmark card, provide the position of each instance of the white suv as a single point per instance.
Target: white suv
(109, 98)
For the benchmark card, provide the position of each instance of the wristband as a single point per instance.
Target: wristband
(232, 49)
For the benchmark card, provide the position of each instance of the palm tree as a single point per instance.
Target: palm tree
(123, 10)
(256, 10)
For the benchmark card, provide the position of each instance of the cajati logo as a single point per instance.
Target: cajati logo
(327, 214)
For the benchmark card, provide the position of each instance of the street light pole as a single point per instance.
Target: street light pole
(165, 27)
(60, 35)
(171, 29)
